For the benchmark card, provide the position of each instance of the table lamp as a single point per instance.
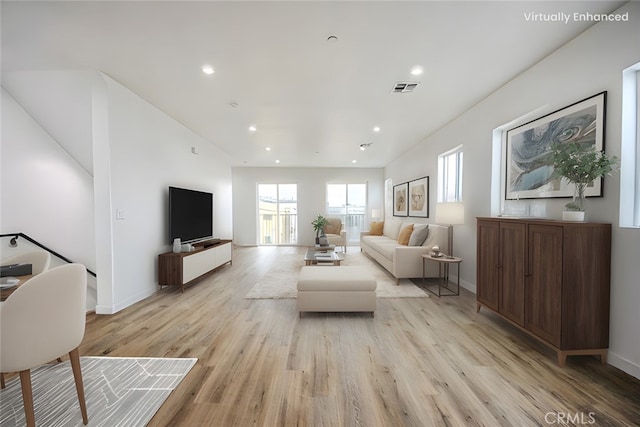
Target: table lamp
(451, 213)
(375, 214)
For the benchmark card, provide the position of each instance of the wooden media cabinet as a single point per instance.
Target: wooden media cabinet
(185, 268)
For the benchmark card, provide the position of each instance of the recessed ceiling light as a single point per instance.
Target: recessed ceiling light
(417, 70)
(253, 128)
(208, 69)
(332, 39)
(366, 145)
(362, 147)
(376, 129)
(354, 161)
(268, 148)
(277, 161)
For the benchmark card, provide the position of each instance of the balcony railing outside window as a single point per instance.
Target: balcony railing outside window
(277, 214)
(287, 224)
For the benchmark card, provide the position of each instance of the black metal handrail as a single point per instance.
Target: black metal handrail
(52, 252)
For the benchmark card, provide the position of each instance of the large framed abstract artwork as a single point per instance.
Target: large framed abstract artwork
(419, 197)
(400, 205)
(529, 165)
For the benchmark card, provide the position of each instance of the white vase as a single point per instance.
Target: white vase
(177, 247)
(573, 216)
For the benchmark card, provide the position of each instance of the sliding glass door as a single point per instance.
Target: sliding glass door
(349, 203)
(278, 214)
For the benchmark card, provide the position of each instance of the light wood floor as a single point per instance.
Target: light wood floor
(418, 362)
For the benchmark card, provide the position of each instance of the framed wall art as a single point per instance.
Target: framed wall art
(529, 165)
(400, 205)
(419, 197)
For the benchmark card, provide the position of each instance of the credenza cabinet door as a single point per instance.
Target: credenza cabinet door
(488, 271)
(512, 267)
(549, 278)
(585, 287)
(543, 295)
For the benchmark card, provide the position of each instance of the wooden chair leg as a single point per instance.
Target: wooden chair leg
(27, 397)
(2, 385)
(74, 356)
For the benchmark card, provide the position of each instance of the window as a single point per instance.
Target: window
(450, 176)
(349, 203)
(278, 214)
(629, 152)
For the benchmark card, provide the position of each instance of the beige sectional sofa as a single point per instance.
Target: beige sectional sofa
(404, 261)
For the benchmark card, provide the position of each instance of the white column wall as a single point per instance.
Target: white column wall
(589, 64)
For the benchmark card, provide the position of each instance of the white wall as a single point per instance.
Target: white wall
(150, 151)
(312, 184)
(46, 194)
(591, 63)
(138, 151)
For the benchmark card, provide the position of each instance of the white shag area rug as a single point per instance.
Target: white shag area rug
(281, 280)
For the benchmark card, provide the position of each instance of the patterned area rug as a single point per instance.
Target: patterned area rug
(119, 391)
(280, 281)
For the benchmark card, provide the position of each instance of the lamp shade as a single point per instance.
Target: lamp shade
(450, 213)
(375, 213)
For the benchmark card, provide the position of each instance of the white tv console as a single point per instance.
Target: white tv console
(185, 268)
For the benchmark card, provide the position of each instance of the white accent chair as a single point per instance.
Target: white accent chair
(40, 321)
(39, 260)
(335, 234)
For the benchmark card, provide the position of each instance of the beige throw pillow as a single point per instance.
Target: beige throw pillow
(405, 235)
(376, 228)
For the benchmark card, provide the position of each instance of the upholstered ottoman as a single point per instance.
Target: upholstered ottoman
(336, 289)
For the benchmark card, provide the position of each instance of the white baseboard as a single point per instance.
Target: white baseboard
(106, 309)
(623, 364)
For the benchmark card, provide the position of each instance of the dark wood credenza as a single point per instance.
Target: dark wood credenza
(184, 268)
(549, 278)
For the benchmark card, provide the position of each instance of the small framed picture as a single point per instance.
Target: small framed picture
(419, 197)
(400, 205)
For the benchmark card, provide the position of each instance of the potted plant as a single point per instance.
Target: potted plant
(580, 165)
(318, 225)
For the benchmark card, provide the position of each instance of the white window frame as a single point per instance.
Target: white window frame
(443, 175)
(353, 231)
(629, 149)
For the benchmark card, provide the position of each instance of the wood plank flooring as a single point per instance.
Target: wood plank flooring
(418, 362)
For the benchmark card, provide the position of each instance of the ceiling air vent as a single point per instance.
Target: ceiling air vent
(404, 87)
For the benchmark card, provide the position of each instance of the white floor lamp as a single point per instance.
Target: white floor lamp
(451, 213)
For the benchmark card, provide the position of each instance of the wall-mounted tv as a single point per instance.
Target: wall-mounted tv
(190, 214)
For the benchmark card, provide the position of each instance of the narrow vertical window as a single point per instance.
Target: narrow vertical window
(630, 149)
(349, 203)
(450, 176)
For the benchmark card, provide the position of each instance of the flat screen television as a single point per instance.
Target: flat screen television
(190, 214)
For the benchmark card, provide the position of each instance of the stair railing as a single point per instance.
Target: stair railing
(14, 242)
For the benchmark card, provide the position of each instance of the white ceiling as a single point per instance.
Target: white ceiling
(313, 102)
